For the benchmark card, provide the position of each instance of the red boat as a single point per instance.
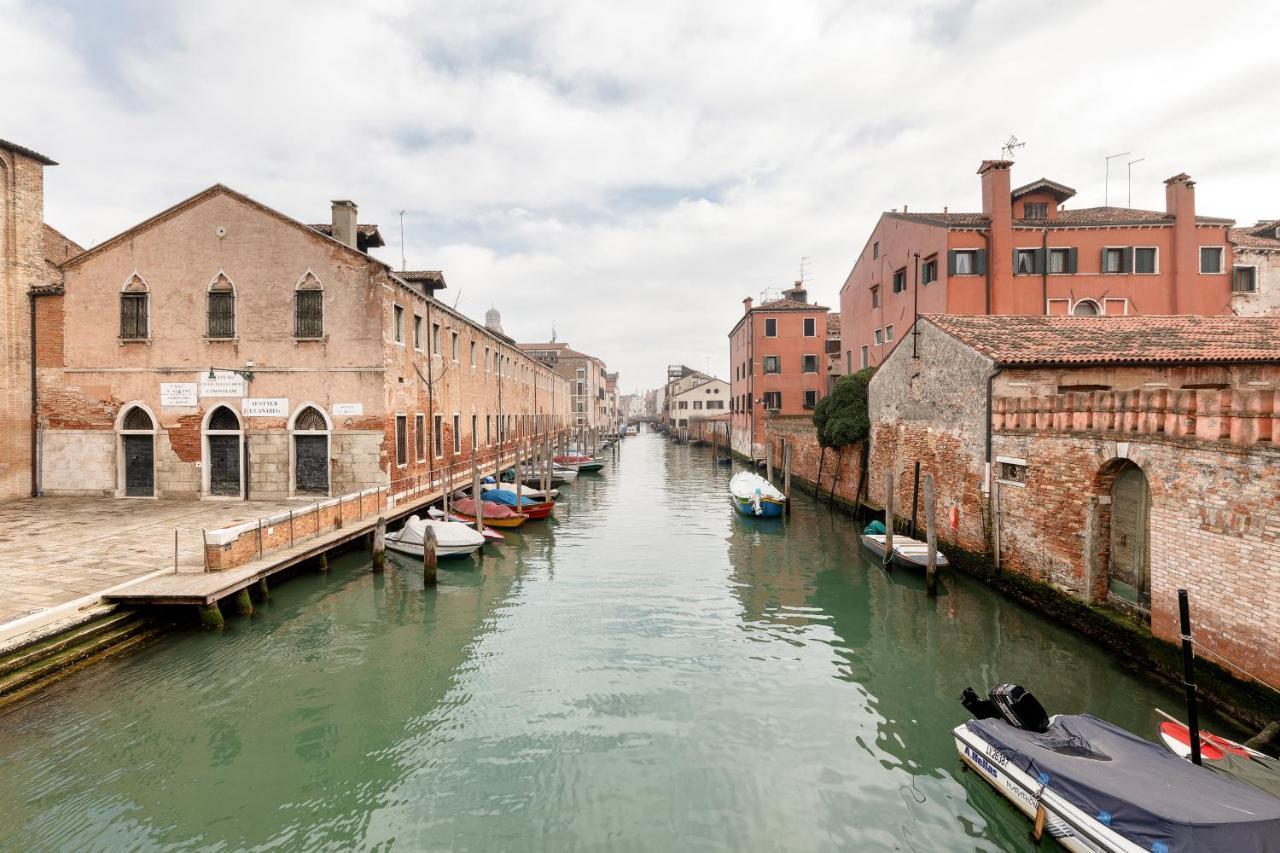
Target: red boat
(494, 515)
(1225, 756)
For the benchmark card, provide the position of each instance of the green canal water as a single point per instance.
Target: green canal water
(647, 672)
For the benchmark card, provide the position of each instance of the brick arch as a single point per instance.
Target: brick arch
(1101, 486)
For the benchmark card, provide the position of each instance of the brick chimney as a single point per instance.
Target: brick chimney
(997, 206)
(798, 293)
(1180, 196)
(1180, 203)
(344, 222)
(746, 305)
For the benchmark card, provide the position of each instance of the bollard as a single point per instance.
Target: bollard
(475, 493)
(429, 556)
(931, 538)
(888, 517)
(242, 603)
(379, 544)
(211, 616)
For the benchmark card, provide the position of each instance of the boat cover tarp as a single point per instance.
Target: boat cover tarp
(507, 497)
(1147, 794)
(744, 485)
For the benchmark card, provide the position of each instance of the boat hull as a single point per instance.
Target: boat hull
(910, 554)
(514, 521)
(769, 508)
(414, 549)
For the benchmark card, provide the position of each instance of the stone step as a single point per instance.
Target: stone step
(51, 645)
(60, 659)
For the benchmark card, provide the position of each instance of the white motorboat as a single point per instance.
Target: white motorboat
(753, 495)
(562, 473)
(453, 539)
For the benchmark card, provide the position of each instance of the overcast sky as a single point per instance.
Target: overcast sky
(629, 172)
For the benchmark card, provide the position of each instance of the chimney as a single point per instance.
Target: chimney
(1180, 204)
(797, 293)
(1180, 197)
(997, 206)
(746, 305)
(996, 201)
(344, 222)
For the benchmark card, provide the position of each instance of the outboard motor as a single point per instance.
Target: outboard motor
(1009, 702)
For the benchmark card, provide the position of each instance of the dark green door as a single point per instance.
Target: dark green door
(139, 467)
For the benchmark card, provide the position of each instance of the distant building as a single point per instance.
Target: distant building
(1255, 269)
(1025, 253)
(777, 355)
(698, 397)
(590, 407)
(833, 349)
(680, 377)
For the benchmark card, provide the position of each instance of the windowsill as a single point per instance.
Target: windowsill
(1244, 292)
(964, 274)
(1011, 483)
(398, 343)
(301, 339)
(123, 341)
(209, 340)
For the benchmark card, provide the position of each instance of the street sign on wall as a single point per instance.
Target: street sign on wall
(265, 407)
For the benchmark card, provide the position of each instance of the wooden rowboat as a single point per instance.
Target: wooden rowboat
(493, 515)
(907, 552)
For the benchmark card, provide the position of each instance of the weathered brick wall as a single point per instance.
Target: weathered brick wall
(839, 469)
(1214, 530)
(243, 543)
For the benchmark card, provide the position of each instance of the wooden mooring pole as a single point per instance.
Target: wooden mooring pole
(429, 556)
(931, 538)
(475, 493)
(786, 475)
(915, 499)
(379, 544)
(888, 517)
(768, 461)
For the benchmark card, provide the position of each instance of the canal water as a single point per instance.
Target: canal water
(649, 671)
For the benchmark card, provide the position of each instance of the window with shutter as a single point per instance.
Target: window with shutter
(420, 437)
(222, 308)
(1144, 260)
(402, 440)
(1024, 261)
(309, 314)
(133, 316)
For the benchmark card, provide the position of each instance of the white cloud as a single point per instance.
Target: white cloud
(631, 171)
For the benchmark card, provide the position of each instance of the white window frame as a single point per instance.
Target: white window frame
(804, 322)
(1155, 249)
(879, 337)
(457, 433)
(397, 324)
(1104, 271)
(1032, 250)
(1101, 311)
(1011, 460)
(972, 254)
(1109, 301)
(765, 330)
(1222, 259)
(866, 357)
(888, 332)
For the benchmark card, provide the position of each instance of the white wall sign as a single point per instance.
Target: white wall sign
(177, 395)
(265, 407)
(341, 410)
(223, 384)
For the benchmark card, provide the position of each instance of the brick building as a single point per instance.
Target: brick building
(589, 397)
(1026, 253)
(1116, 459)
(778, 363)
(29, 253)
(1255, 269)
(224, 349)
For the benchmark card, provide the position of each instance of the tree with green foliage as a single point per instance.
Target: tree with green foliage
(842, 417)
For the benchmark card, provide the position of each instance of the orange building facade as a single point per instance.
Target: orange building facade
(1025, 253)
(777, 365)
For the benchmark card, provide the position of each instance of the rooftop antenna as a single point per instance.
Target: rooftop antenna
(1010, 146)
(402, 264)
(1130, 164)
(553, 331)
(1106, 186)
(804, 269)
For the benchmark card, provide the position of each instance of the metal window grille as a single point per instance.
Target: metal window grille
(420, 437)
(222, 314)
(310, 419)
(309, 314)
(137, 418)
(133, 315)
(402, 440)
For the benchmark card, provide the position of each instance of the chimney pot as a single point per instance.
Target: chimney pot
(344, 222)
(746, 304)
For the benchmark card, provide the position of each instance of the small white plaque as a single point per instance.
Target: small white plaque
(343, 410)
(265, 407)
(223, 384)
(177, 395)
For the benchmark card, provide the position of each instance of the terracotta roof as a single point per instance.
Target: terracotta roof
(788, 305)
(367, 236)
(429, 280)
(1260, 236)
(27, 152)
(1061, 192)
(562, 349)
(1078, 218)
(946, 220)
(1152, 339)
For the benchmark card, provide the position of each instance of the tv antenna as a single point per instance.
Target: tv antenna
(1106, 181)
(1010, 146)
(1130, 164)
(804, 269)
(402, 263)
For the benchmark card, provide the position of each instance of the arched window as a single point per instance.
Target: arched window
(133, 309)
(1087, 308)
(308, 307)
(222, 307)
(223, 419)
(137, 419)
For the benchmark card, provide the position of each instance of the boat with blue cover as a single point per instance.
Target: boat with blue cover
(755, 497)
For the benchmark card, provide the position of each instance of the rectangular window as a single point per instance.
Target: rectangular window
(437, 437)
(1113, 260)
(875, 250)
(771, 328)
(133, 315)
(486, 359)
(1024, 261)
(1144, 260)
(222, 314)
(402, 440)
(473, 353)
(929, 271)
(457, 433)
(772, 364)
(1061, 261)
(967, 262)
(879, 337)
(888, 332)
(397, 324)
(866, 357)
(810, 327)
(772, 400)
(420, 437)
(308, 314)
(1210, 260)
(1244, 280)
(900, 280)
(453, 345)
(810, 364)
(810, 398)
(682, 404)
(435, 338)
(697, 404)
(1035, 210)
(715, 404)
(417, 332)
(475, 431)
(1013, 472)
(875, 296)
(488, 429)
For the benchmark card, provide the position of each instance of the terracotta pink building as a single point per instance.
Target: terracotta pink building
(777, 363)
(1026, 253)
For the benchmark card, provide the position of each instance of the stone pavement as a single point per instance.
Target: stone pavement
(55, 550)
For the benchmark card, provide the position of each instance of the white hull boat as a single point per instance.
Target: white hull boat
(453, 539)
(754, 496)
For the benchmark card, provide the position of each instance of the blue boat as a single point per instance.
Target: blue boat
(507, 497)
(755, 497)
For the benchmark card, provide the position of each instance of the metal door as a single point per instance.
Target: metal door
(311, 464)
(1130, 551)
(224, 465)
(139, 467)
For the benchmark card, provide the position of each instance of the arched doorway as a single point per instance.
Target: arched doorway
(137, 470)
(310, 431)
(223, 441)
(1129, 563)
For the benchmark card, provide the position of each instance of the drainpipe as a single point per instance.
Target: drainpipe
(986, 242)
(915, 309)
(1044, 270)
(431, 400)
(35, 447)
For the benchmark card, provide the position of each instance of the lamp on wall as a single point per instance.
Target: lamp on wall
(245, 374)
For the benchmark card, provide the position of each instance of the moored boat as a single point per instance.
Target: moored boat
(907, 552)
(1094, 786)
(492, 514)
(754, 496)
(633, 430)
(452, 538)
(580, 461)
(1222, 755)
(526, 506)
(488, 533)
(527, 491)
